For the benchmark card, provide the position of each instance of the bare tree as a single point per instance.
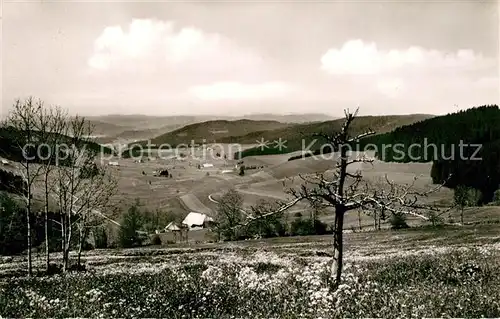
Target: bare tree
(77, 194)
(95, 191)
(344, 190)
(21, 125)
(50, 122)
(268, 225)
(229, 214)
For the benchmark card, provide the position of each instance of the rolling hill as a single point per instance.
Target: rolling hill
(10, 150)
(295, 136)
(289, 118)
(211, 131)
(140, 122)
(463, 146)
(109, 128)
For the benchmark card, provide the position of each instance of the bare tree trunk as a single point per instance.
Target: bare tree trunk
(47, 251)
(28, 223)
(63, 233)
(80, 244)
(67, 246)
(359, 219)
(81, 238)
(338, 232)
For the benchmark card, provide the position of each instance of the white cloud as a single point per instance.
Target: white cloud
(240, 91)
(413, 71)
(356, 57)
(152, 44)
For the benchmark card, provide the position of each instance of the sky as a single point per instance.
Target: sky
(240, 57)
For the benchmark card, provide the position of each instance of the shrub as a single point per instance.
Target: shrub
(156, 240)
(496, 197)
(12, 226)
(131, 223)
(398, 221)
(434, 218)
(100, 237)
(304, 227)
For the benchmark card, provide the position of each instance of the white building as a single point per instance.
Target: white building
(196, 220)
(113, 164)
(172, 227)
(208, 165)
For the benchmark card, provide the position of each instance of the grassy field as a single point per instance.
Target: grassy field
(446, 271)
(421, 272)
(189, 188)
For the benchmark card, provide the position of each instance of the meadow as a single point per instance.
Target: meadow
(446, 271)
(421, 272)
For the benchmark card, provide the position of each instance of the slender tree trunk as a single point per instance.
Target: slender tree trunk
(80, 244)
(338, 232)
(28, 222)
(47, 251)
(63, 233)
(28, 217)
(67, 246)
(359, 219)
(82, 236)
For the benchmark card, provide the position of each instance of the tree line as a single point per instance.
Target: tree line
(454, 143)
(62, 187)
(475, 164)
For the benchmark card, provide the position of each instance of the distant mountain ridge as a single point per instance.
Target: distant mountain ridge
(111, 127)
(210, 131)
(296, 136)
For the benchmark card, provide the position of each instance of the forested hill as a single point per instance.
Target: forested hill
(472, 126)
(438, 139)
(10, 139)
(300, 135)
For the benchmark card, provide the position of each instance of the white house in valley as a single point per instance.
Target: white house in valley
(197, 220)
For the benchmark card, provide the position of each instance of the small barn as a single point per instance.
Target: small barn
(172, 227)
(113, 164)
(176, 232)
(164, 173)
(208, 165)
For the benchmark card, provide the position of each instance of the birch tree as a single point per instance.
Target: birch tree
(96, 189)
(21, 125)
(51, 123)
(78, 193)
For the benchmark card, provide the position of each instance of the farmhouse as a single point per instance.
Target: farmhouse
(172, 227)
(113, 164)
(197, 220)
(208, 165)
(5, 162)
(164, 173)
